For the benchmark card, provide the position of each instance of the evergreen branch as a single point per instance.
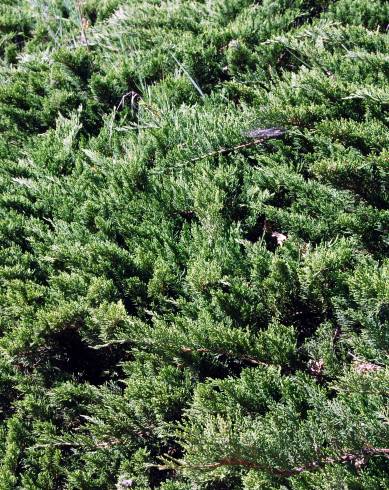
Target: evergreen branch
(57, 444)
(249, 359)
(358, 458)
(111, 344)
(64, 444)
(225, 151)
(259, 136)
(219, 152)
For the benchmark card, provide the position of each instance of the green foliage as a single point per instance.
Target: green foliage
(182, 307)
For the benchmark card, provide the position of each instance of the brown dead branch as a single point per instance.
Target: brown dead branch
(358, 459)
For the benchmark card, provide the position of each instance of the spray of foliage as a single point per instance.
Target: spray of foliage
(194, 275)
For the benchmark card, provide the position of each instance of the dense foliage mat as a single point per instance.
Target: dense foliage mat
(184, 306)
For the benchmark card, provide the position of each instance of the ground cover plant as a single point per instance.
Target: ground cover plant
(186, 304)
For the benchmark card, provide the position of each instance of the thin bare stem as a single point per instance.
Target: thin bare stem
(249, 359)
(358, 458)
(84, 23)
